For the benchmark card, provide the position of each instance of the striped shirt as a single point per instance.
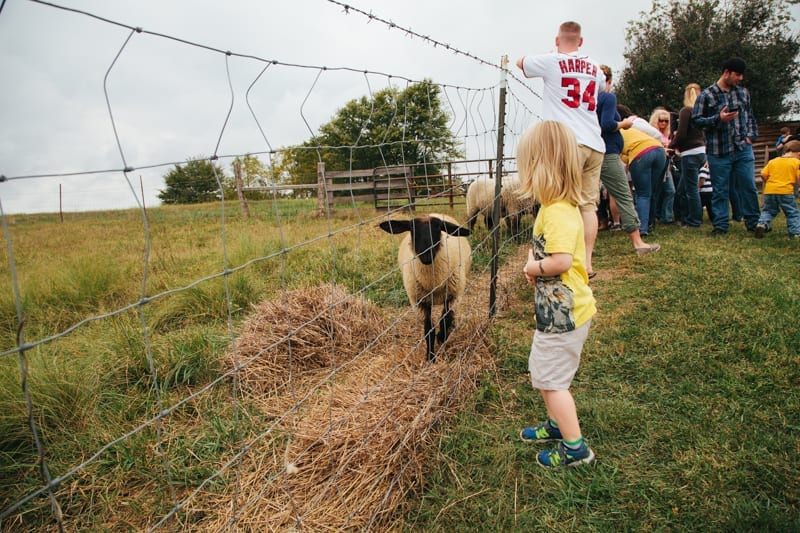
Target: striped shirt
(723, 138)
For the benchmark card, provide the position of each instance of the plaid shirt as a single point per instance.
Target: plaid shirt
(723, 138)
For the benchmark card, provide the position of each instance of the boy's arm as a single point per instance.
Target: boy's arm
(552, 265)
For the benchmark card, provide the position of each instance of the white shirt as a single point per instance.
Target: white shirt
(571, 83)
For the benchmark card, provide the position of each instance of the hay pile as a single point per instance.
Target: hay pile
(346, 457)
(294, 337)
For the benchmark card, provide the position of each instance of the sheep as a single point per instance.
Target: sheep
(514, 206)
(435, 258)
(480, 199)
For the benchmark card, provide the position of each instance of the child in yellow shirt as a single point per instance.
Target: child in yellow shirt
(781, 176)
(550, 172)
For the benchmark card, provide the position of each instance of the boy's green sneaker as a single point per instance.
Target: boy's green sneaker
(544, 433)
(563, 456)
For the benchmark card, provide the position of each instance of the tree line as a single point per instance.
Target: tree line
(678, 42)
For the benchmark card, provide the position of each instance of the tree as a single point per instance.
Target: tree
(393, 127)
(682, 42)
(197, 181)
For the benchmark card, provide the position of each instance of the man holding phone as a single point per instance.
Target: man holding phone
(723, 112)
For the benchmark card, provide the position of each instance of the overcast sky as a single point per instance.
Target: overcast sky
(169, 100)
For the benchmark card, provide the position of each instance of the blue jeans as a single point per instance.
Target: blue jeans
(688, 191)
(773, 203)
(733, 179)
(646, 170)
(665, 198)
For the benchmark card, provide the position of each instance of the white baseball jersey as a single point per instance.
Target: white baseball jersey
(571, 84)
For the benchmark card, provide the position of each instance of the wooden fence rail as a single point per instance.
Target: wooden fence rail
(392, 187)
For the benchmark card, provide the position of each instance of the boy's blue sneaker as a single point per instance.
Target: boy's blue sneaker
(563, 456)
(543, 433)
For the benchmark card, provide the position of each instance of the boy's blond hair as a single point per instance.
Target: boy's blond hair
(791, 146)
(548, 164)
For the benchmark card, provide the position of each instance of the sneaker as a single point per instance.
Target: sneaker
(563, 456)
(544, 433)
(718, 232)
(761, 229)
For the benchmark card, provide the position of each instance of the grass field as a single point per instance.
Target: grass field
(688, 390)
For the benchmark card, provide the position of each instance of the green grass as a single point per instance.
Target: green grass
(688, 391)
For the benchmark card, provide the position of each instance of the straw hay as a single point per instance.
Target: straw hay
(347, 457)
(305, 330)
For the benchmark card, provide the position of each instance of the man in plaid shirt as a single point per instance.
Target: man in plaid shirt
(723, 112)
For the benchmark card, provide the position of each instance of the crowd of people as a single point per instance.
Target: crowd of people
(591, 151)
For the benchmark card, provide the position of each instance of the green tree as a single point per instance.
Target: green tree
(680, 42)
(194, 182)
(393, 127)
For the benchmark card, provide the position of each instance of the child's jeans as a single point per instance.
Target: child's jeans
(773, 203)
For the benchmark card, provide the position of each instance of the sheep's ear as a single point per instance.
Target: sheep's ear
(456, 230)
(395, 226)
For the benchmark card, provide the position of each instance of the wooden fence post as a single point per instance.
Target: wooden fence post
(322, 196)
(501, 120)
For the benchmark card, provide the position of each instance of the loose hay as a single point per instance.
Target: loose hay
(308, 329)
(363, 440)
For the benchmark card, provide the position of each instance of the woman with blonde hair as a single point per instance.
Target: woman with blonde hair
(689, 143)
(664, 194)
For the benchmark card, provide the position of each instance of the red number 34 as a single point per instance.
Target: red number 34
(574, 95)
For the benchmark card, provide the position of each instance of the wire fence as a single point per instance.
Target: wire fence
(303, 405)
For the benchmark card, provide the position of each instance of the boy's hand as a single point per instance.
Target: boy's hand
(530, 267)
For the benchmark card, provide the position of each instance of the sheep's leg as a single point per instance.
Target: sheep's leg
(514, 223)
(489, 220)
(446, 322)
(430, 333)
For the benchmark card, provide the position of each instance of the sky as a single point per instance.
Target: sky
(67, 74)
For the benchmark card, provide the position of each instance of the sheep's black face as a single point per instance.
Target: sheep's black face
(426, 238)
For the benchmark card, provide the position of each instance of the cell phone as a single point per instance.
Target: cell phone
(732, 108)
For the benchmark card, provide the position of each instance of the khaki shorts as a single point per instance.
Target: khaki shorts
(592, 162)
(555, 357)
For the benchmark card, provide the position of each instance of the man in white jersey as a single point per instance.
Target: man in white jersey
(571, 83)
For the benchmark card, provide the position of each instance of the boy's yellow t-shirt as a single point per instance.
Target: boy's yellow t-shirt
(564, 302)
(781, 175)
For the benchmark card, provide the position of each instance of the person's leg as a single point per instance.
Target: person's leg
(591, 162)
(643, 189)
(720, 167)
(614, 212)
(705, 199)
(789, 206)
(616, 182)
(561, 407)
(667, 203)
(680, 208)
(690, 167)
(743, 173)
(770, 211)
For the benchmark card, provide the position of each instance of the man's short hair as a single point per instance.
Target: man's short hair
(734, 64)
(570, 28)
(792, 146)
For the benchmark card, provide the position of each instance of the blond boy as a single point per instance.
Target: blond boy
(781, 176)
